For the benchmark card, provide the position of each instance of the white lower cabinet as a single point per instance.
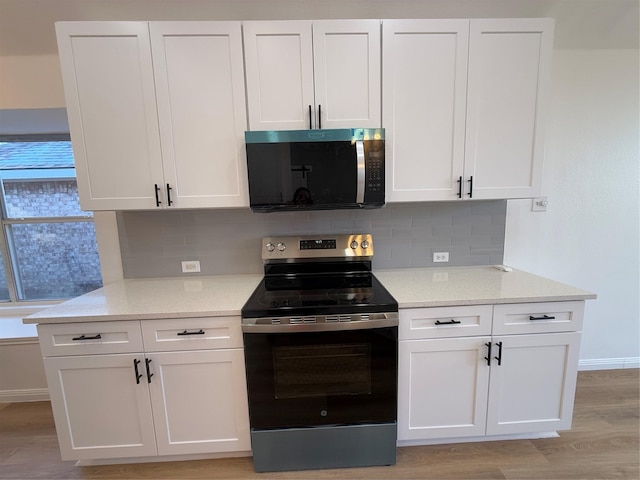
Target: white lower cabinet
(139, 404)
(475, 386)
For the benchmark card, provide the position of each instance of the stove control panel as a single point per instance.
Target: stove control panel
(322, 246)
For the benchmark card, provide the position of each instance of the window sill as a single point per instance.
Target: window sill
(11, 315)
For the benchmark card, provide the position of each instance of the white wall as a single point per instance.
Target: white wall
(589, 235)
(31, 81)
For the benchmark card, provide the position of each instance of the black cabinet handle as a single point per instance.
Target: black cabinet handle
(499, 357)
(544, 317)
(488, 357)
(147, 361)
(470, 186)
(460, 187)
(199, 332)
(84, 337)
(158, 202)
(310, 118)
(138, 374)
(169, 201)
(319, 116)
(450, 322)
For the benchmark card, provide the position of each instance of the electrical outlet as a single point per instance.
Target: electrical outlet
(440, 257)
(539, 204)
(191, 266)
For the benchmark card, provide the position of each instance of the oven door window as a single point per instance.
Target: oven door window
(321, 378)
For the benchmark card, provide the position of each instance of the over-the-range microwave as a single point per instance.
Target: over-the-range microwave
(315, 169)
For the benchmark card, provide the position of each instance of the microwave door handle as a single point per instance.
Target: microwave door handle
(360, 171)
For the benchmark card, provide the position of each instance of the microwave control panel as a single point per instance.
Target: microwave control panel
(374, 170)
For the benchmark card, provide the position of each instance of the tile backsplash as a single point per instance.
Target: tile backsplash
(154, 243)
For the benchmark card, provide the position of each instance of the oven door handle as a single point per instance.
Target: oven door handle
(249, 325)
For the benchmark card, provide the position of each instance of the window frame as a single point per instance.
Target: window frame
(9, 261)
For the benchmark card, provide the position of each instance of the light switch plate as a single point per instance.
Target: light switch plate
(539, 204)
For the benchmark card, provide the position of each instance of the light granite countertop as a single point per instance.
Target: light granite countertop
(223, 295)
(436, 287)
(155, 298)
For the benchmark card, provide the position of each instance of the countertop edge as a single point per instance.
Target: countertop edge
(495, 301)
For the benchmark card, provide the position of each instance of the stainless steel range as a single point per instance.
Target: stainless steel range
(321, 347)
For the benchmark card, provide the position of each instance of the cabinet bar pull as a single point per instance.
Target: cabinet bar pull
(488, 357)
(169, 201)
(147, 361)
(84, 337)
(470, 186)
(319, 116)
(310, 118)
(158, 202)
(544, 317)
(499, 357)
(138, 374)
(450, 322)
(199, 332)
(460, 187)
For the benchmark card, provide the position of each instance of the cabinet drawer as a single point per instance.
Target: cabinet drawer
(440, 322)
(89, 338)
(191, 334)
(538, 317)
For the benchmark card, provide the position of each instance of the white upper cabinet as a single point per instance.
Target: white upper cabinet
(321, 74)
(199, 79)
(509, 76)
(111, 105)
(464, 107)
(157, 113)
(425, 93)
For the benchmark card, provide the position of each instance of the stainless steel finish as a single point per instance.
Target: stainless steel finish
(360, 171)
(288, 248)
(319, 323)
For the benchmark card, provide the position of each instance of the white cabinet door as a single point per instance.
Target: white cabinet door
(303, 74)
(199, 78)
(533, 388)
(100, 410)
(347, 73)
(424, 95)
(442, 388)
(279, 74)
(111, 105)
(509, 75)
(200, 401)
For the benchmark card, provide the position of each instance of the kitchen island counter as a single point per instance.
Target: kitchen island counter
(451, 286)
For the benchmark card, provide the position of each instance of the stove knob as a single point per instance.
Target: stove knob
(365, 244)
(354, 245)
(270, 247)
(281, 247)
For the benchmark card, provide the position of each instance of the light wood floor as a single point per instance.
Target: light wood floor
(603, 444)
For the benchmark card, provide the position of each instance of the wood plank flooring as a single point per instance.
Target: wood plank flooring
(603, 444)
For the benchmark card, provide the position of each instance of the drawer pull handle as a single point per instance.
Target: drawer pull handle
(149, 374)
(83, 337)
(544, 317)
(138, 374)
(199, 332)
(450, 322)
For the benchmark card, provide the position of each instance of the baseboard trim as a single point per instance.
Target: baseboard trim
(609, 363)
(25, 395)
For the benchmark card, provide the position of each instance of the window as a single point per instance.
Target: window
(47, 245)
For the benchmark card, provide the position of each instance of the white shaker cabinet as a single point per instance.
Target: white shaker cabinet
(457, 380)
(320, 74)
(464, 107)
(142, 389)
(156, 113)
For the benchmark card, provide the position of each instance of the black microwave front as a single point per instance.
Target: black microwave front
(315, 169)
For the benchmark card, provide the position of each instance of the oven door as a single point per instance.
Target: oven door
(319, 378)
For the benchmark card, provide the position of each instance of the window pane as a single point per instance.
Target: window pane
(42, 198)
(4, 290)
(55, 260)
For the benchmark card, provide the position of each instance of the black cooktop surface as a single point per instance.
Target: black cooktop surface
(319, 294)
